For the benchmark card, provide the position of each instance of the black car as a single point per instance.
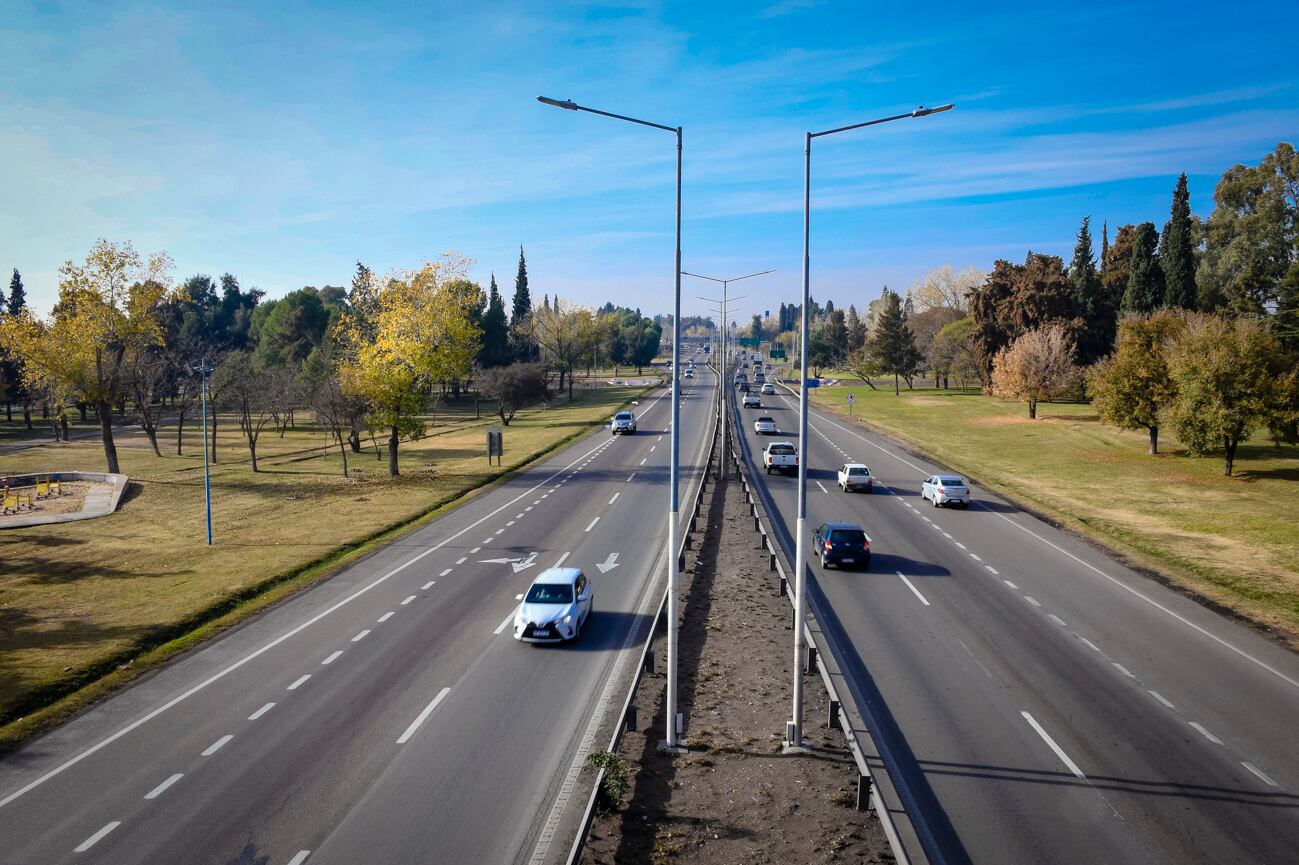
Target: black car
(841, 544)
(743, 387)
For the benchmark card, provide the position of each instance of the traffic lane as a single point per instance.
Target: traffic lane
(1158, 752)
(1167, 643)
(216, 655)
(952, 732)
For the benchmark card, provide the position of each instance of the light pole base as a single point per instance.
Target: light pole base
(789, 749)
(676, 750)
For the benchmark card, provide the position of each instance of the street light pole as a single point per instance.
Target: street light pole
(203, 370)
(674, 575)
(725, 357)
(794, 732)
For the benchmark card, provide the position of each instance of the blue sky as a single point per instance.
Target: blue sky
(284, 141)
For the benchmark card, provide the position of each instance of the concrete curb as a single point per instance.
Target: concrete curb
(99, 502)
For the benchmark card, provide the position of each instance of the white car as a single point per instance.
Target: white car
(768, 389)
(690, 373)
(557, 604)
(945, 490)
(856, 476)
(751, 400)
(624, 422)
(765, 426)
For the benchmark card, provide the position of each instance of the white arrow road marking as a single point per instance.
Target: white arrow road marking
(524, 564)
(608, 564)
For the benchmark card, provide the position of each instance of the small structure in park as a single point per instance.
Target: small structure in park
(58, 497)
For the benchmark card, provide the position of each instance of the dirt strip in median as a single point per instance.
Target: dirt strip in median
(734, 797)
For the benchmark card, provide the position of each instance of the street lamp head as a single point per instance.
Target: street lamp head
(566, 103)
(922, 111)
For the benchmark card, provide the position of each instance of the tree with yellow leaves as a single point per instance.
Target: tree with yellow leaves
(564, 334)
(107, 312)
(406, 331)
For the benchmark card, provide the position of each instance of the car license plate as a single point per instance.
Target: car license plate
(848, 560)
(541, 632)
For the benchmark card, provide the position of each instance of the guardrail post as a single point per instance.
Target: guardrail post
(811, 659)
(771, 563)
(782, 591)
(649, 662)
(631, 719)
(832, 717)
(757, 524)
(863, 792)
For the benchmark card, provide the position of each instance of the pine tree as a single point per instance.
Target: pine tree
(1177, 252)
(1098, 317)
(495, 349)
(1105, 244)
(1145, 289)
(17, 294)
(522, 299)
(894, 346)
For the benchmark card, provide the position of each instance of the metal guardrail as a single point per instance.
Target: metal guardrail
(877, 789)
(628, 705)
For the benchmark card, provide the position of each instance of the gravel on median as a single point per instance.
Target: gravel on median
(733, 797)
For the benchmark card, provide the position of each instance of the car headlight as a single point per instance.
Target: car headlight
(567, 619)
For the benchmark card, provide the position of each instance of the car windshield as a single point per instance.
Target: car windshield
(848, 536)
(858, 470)
(782, 449)
(951, 482)
(623, 415)
(550, 593)
(765, 420)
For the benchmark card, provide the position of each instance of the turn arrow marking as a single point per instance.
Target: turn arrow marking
(608, 564)
(516, 564)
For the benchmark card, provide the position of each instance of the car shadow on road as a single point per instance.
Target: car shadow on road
(888, 563)
(604, 631)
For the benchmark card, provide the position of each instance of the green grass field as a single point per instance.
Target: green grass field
(1234, 540)
(79, 600)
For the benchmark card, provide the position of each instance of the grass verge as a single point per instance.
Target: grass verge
(1232, 542)
(87, 606)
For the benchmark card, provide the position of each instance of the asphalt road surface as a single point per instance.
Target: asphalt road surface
(386, 715)
(1048, 704)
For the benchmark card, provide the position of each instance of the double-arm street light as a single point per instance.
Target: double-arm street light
(725, 358)
(794, 732)
(673, 721)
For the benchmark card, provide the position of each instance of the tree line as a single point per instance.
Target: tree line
(1193, 325)
(127, 343)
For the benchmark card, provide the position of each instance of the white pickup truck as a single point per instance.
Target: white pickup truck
(781, 456)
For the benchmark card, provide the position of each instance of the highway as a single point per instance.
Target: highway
(1048, 705)
(385, 715)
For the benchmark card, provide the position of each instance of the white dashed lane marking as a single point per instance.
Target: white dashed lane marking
(386, 616)
(301, 680)
(262, 711)
(97, 837)
(1259, 774)
(162, 788)
(1199, 728)
(332, 658)
(360, 636)
(217, 745)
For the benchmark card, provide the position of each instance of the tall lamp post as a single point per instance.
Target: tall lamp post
(725, 358)
(675, 472)
(204, 369)
(794, 729)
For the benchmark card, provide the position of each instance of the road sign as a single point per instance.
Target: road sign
(777, 354)
(750, 341)
(851, 398)
(495, 445)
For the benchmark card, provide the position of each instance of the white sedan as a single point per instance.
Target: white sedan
(945, 490)
(765, 426)
(557, 604)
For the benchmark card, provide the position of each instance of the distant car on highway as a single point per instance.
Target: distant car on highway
(856, 476)
(624, 422)
(765, 426)
(945, 490)
(768, 389)
(690, 373)
(743, 387)
(841, 544)
(557, 604)
(781, 456)
(752, 400)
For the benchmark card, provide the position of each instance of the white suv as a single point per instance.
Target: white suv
(623, 422)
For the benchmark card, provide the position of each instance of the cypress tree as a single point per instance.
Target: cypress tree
(17, 294)
(1105, 243)
(495, 349)
(894, 346)
(1177, 253)
(1145, 289)
(1099, 318)
(522, 299)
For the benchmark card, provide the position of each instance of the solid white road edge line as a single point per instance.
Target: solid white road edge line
(912, 588)
(420, 718)
(162, 788)
(1059, 752)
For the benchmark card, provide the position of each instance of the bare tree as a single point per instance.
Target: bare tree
(943, 288)
(513, 387)
(1037, 366)
(342, 415)
(146, 380)
(244, 387)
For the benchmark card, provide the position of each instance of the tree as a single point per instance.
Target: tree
(286, 330)
(836, 336)
(1117, 265)
(755, 326)
(562, 334)
(1145, 289)
(856, 330)
(17, 294)
(146, 377)
(926, 324)
(942, 288)
(417, 330)
(952, 353)
(513, 387)
(244, 385)
(1133, 388)
(1231, 378)
(107, 311)
(1017, 298)
(522, 308)
(1097, 315)
(1177, 251)
(863, 363)
(1285, 323)
(496, 331)
(1251, 235)
(1038, 365)
(893, 344)
(341, 413)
